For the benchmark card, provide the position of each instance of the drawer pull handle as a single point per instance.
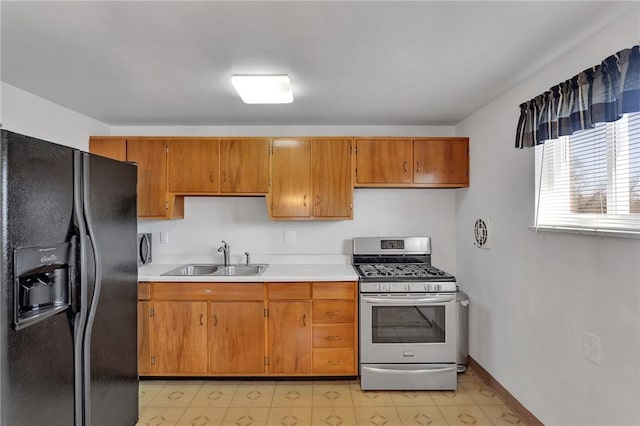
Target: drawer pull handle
(207, 291)
(212, 177)
(215, 320)
(332, 313)
(333, 338)
(404, 167)
(333, 362)
(304, 320)
(201, 323)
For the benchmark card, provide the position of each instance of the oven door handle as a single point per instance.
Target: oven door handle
(394, 371)
(408, 301)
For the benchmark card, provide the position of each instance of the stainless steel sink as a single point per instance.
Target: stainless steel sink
(190, 270)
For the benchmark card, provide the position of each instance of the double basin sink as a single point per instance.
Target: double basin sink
(191, 270)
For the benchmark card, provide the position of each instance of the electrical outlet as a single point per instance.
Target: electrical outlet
(164, 237)
(591, 347)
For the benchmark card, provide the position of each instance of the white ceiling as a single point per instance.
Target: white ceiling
(350, 62)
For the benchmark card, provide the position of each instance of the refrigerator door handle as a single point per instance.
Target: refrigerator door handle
(79, 290)
(96, 291)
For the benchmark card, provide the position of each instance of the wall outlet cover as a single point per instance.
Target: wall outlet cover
(591, 347)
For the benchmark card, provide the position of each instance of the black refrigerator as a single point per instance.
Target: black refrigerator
(68, 332)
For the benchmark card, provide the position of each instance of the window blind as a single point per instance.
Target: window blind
(590, 180)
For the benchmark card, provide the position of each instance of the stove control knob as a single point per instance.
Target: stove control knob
(436, 287)
(384, 287)
(408, 287)
(426, 287)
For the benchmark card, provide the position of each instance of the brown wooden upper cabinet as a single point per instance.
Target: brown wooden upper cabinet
(205, 166)
(311, 179)
(412, 162)
(115, 148)
(244, 166)
(193, 165)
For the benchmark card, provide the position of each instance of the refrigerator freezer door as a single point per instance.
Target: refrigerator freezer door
(36, 363)
(111, 336)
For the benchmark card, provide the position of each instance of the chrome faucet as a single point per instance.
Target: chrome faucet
(246, 253)
(225, 249)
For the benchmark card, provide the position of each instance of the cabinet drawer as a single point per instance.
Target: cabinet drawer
(334, 290)
(332, 312)
(208, 291)
(334, 362)
(333, 336)
(144, 291)
(289, 291)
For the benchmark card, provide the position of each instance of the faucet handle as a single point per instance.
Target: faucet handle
(246, 253)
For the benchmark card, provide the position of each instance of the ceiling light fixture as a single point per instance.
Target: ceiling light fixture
(263, 89)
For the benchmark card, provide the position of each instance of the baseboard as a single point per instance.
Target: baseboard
(524, 414)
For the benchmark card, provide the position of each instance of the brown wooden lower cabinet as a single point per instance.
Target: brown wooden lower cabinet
(248, 329)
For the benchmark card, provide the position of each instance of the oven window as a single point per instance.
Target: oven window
(408, 324)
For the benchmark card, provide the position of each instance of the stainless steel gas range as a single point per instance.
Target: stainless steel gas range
(407, 316)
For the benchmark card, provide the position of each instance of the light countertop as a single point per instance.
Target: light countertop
(278, 272)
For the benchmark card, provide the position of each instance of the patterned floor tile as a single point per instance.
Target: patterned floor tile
(377, 416)
(457, 397)
(501, 414)
(464, 415)
(146, 393)
(174, 395)
(246, 416)
(160, 416)
(255, 395)
(289, 416)
(421, 416)
(370, 398)
(198, 416)
(412, 398)
(293, 395)
(332, 396)
(214, 395)
(333, 416)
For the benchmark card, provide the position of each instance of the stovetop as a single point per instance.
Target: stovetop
(401, 272)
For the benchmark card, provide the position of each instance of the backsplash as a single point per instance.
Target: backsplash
(243, 223)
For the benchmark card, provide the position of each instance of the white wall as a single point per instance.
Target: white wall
(534, 295)
(22, 112)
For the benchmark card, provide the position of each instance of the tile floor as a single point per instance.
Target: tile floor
(323, 403)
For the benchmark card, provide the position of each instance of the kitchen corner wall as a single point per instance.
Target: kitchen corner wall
(533, 296)
(22, 112)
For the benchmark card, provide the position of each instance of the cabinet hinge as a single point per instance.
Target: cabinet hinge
(351, 206)
(153, 360)
(266, 313)
(151, 312)
(266, 360)
(269, 180)
(356, 149)
(166, 149)
(166, 205)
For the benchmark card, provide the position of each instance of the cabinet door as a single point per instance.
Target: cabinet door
(151, 157)
(115, 148)
(331, 176)
(289, 338)
(180, 337)
(441, 162)
(291, 178)
(193, 165)
(237, 337)
(244, 165)
(144, 338)
(383, 161)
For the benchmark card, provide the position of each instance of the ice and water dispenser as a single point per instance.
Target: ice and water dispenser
(43, 279)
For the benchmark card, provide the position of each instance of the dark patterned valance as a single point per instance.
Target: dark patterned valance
(600, 94)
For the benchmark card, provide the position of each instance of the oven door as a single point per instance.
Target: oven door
(407, 328)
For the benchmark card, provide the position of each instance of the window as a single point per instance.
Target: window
(590, 181)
